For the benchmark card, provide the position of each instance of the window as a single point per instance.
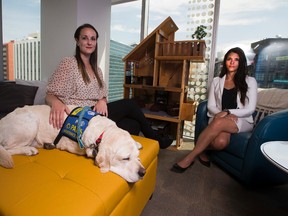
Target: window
(125, 26)
(126, 22)
(259, 30)
(21, 39)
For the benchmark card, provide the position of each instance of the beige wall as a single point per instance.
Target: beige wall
(59, 20)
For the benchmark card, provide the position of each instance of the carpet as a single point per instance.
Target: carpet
(209, 191)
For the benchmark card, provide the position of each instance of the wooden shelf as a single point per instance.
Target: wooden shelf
(156, 88)
(160, 115)
(164, 64)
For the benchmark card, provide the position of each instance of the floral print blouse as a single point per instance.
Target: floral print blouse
(68, 85)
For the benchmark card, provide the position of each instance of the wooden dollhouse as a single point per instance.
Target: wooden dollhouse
(157, 73)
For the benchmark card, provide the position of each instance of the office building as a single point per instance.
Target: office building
(8, 62)
(271, 63)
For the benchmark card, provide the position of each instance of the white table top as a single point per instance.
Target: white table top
(277, 153)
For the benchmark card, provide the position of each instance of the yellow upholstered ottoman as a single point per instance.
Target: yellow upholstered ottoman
(56, 183)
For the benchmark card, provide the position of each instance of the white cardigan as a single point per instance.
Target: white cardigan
(215, 99)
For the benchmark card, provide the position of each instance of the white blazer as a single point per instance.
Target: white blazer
(215, 99)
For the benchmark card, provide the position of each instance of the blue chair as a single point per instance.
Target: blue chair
(243, 158)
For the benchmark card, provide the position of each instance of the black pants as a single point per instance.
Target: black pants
(128, 116)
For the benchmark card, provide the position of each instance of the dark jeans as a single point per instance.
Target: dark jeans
(128, 116)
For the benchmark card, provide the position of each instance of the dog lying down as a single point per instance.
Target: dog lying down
(26, 129)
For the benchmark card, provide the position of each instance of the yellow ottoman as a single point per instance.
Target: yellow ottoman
(56, 183)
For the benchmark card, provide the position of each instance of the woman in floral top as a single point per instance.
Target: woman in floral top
(79, 81)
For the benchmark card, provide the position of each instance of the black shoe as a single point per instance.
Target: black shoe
(165, 142)
(205, 163)
(176, 168)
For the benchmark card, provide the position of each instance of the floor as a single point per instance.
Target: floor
(186, 144)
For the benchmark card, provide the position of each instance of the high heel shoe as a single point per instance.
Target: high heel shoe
(178, 169)
(205, 163)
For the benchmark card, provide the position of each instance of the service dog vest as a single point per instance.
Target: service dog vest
(75, 124)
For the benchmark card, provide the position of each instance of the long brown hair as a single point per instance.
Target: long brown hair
(240, 76)
(93, 57)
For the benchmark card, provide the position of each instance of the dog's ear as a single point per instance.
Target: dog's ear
(138, 145)
(102, 160)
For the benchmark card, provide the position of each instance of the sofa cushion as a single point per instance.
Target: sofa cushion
(15, 95)
(238, 144)
(273, 99)
(41, 92)
(56, 182)
(269, 101)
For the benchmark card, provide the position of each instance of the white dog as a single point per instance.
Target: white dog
(26, 129)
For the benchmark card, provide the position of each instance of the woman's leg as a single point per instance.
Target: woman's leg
(129, 125)
(220, 128)
(128, 108)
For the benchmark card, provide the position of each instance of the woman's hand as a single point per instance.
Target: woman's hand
(101, 107)
(221, 114)
(232, 117)
(56, 117)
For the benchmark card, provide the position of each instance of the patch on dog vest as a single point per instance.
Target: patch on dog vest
(75, 124)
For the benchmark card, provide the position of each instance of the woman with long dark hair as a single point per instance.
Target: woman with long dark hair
(231, 102)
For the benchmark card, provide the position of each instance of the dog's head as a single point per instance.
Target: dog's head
(121, 156)
(118, 152)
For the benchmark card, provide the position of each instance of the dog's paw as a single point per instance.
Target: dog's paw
(9, 164)
(6, 161)
(30, 151)
(48, 146)
(104, 170)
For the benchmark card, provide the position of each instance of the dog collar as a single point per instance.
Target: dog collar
(98, 141)
(97, 144)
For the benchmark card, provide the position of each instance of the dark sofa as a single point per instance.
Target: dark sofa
(19, 93)
(243, 158)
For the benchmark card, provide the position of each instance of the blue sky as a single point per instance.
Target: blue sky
(246, 21)
(20, 18)
(241, 21)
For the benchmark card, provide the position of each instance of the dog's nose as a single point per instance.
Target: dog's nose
(141, 172)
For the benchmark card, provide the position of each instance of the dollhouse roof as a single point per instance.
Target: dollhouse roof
(166, 30)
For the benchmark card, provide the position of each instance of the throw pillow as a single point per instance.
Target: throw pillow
(41, 92)
(15, 95)
(269, 101)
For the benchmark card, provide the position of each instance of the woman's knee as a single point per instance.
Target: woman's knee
(219, 143)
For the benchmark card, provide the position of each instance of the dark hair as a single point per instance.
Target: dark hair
(93, 57)
(240, 76)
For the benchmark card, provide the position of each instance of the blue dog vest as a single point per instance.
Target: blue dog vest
(75, 124)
